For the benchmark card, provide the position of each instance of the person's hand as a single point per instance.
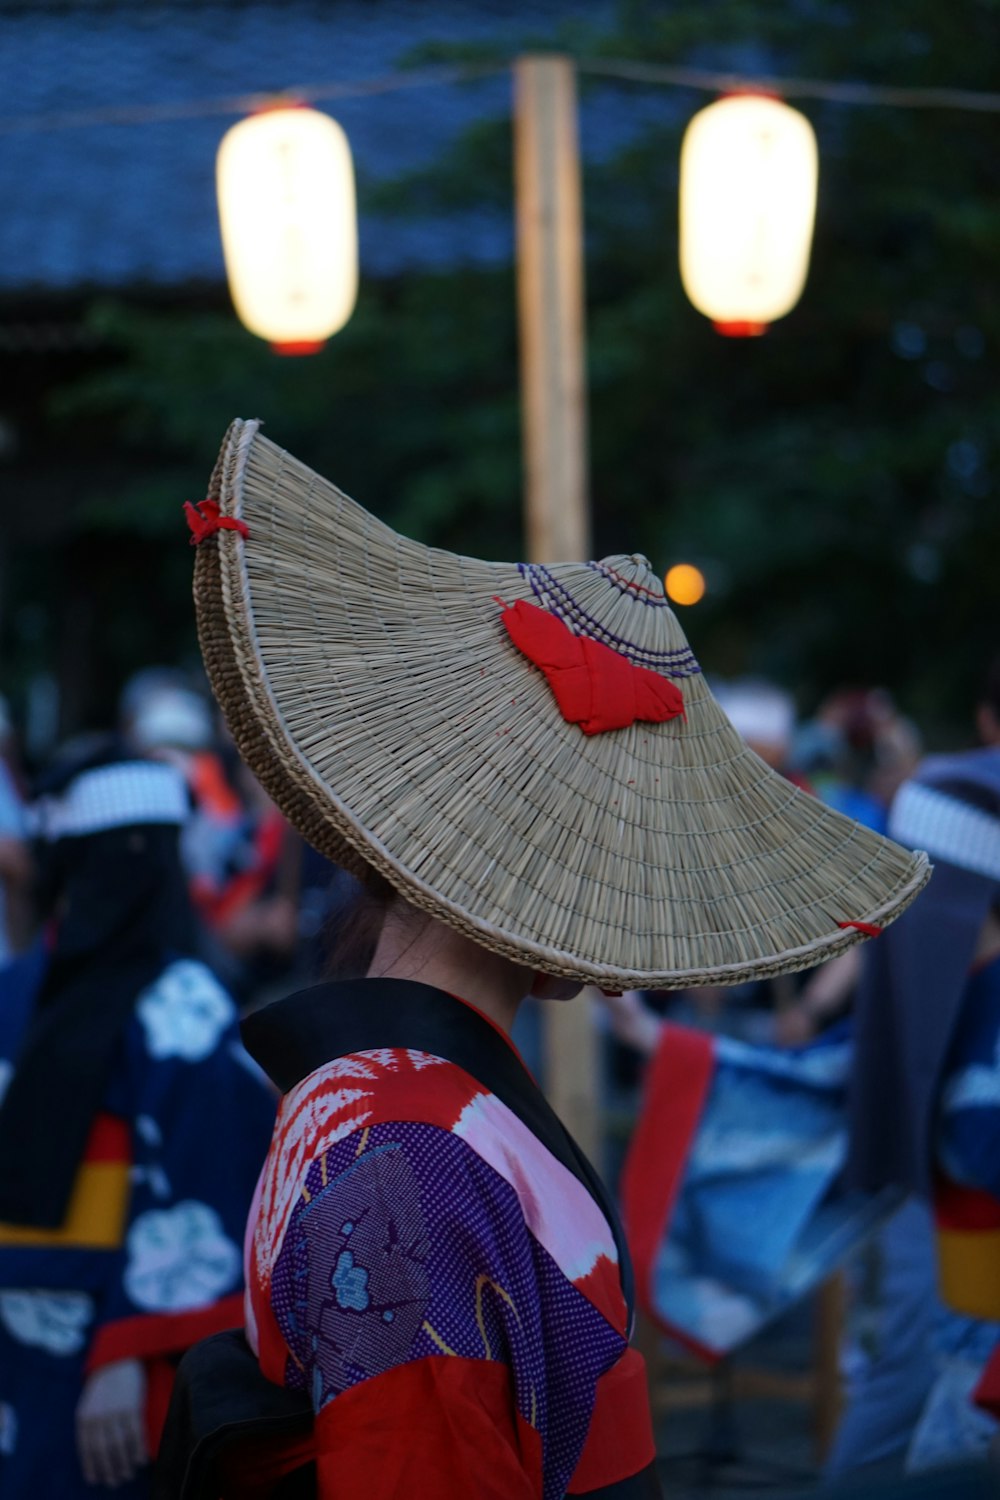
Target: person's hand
(794, 1026)
(269, 925)
(110, 1423)
(278, 923)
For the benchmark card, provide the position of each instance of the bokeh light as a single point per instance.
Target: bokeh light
(685, 584)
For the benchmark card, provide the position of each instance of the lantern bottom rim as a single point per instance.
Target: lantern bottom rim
(291, 347)
(739, 329)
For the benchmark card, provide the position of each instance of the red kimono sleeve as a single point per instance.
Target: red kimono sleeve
(446, 1427)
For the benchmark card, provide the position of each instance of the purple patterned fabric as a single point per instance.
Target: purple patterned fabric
(406, 1245)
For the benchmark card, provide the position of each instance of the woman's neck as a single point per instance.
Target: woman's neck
(418, 947)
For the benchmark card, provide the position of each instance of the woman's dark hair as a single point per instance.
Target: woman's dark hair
(355, 928)
(352, 932)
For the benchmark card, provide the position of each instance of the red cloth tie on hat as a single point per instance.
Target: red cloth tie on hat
(205, 520)
(594, 686)
(870, 929)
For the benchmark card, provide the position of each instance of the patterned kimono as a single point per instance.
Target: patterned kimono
(148, 1258)
(434, 1265)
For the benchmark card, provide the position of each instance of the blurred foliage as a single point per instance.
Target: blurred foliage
(835, 479)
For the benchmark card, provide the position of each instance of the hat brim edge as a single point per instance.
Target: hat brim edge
(232, 662)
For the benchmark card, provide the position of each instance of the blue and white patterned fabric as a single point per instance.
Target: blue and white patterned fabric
(197, 1113)
(951, 1428)
(760, 1221)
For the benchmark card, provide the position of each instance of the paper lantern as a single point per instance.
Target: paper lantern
(287, 211)
(749, 167)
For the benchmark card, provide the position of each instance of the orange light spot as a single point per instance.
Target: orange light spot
(685, 584)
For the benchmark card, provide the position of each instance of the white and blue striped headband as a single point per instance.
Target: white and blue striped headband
(926, 817)
(124, 795)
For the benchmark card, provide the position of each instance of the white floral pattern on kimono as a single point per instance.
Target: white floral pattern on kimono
(179, 1258)
(185, 1012)
(56, 1321)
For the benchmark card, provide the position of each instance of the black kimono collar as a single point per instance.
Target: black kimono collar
(295, 1036)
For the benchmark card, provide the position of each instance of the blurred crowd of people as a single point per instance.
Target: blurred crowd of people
(263, 898)
(149, 894)
(192, 899)
(853, 753)
(881, 1130)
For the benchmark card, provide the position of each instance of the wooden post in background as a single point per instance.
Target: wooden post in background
(550, 309)
(554, 426)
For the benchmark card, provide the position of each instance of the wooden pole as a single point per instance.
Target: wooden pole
(554, 423)
(550, 308)
(831, 1313)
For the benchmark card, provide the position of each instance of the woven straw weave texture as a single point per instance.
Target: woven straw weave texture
(370, 685)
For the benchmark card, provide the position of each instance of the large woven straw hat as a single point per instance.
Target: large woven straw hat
(384, 694)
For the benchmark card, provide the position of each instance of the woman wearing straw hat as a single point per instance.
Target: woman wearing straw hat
(528, 765)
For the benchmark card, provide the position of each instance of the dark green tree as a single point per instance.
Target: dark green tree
(836, 479)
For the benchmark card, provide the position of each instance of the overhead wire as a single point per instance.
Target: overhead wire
(623, 70)
(716, 82)
(244, 104)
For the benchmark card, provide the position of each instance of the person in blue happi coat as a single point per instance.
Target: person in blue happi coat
(132, 1130)
(925, 1116)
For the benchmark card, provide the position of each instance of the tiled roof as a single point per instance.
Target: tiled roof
(130, 204)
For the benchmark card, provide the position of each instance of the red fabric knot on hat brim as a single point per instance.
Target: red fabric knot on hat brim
(205, 519)
(593, 686)
(870, 929)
